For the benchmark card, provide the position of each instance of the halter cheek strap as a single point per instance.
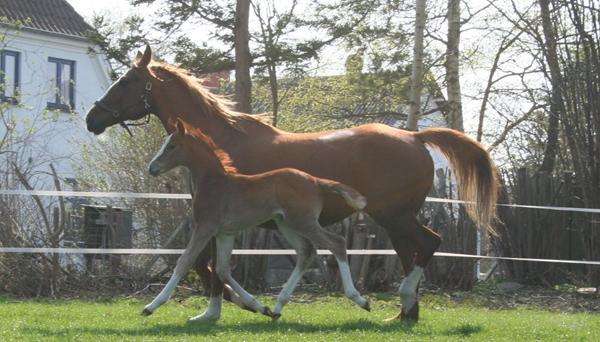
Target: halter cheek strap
(144, 99)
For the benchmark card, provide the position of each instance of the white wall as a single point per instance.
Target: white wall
(60, 129)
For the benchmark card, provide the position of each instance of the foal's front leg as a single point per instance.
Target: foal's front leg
(197, 242)
(224, 249)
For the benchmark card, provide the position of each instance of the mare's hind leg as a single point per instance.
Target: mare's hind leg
(305, 255)
(427, 242)
(337, 245)
(223, 269)
(415, 245)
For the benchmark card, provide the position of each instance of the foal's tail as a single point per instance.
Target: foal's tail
(351, 196)
(474, 170)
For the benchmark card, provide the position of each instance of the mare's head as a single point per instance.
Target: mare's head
(126, 99)
(187, 146)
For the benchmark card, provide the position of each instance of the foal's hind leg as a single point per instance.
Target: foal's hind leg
(305, 255)
(223, 269)
(337, 245)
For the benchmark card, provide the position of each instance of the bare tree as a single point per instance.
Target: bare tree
(243, 59)
(555, 77)
(417, 68)
(455, 117)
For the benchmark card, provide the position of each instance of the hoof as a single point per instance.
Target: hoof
(275, 316)
(267, 312)
(411, 315)
(247, 308)
(367, 306)
(146, 312)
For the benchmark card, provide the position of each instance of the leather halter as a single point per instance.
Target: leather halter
(144, 99)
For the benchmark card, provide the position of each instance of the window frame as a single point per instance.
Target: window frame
(17, 75)
(58, 104)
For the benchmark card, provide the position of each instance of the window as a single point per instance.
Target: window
(62, 84)
(9, 75)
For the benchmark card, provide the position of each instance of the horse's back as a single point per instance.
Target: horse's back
(378, 160)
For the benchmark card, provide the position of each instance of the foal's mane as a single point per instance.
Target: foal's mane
(219, 153)
(209, 103)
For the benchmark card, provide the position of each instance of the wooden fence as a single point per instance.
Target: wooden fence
(534, 233)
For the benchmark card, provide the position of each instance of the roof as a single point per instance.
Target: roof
(54, 16)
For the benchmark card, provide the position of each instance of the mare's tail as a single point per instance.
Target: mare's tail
(351, 196)
(474, 170)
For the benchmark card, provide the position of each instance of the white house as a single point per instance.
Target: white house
(50, 75)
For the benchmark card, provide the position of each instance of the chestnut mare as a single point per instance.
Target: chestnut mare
(225, 202)
(390, 166)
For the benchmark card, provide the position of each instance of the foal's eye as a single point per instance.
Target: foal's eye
(170, 147)
(123, 82)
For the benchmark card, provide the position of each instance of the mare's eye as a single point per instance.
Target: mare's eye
(170, 147)
(123, 82)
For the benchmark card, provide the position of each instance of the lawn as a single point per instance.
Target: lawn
(308, 318)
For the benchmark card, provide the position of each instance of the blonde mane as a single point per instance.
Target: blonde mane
(209, 103)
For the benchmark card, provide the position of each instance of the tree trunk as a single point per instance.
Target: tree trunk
(274, 93)
(556, 81)
(416, 81)
(455, 119)
(243, 59)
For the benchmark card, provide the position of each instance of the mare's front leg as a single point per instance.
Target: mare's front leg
(224, 249)
(198, 241)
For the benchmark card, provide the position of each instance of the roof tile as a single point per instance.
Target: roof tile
(56, 16)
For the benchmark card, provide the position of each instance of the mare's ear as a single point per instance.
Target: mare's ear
(142, 60)
(180, 127)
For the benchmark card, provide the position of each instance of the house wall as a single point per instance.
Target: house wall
(60, 133)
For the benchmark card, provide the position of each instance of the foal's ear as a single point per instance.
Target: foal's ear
(180, 127)
(142, 60)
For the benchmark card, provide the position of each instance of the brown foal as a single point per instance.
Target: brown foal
(391, 167)
(226, 202)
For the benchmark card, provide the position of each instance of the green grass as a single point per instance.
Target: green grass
(328, 318)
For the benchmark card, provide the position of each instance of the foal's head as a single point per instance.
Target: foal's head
(189, 147)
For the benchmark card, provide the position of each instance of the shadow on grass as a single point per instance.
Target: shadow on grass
(213, 328)
(464, 330)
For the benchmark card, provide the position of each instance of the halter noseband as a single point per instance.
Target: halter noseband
(144, 99)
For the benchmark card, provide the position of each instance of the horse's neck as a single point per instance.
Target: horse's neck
(239, 145)
(203, 166)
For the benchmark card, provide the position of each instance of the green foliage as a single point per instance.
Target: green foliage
(328, 102)
(118, 40)
(201, 58)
